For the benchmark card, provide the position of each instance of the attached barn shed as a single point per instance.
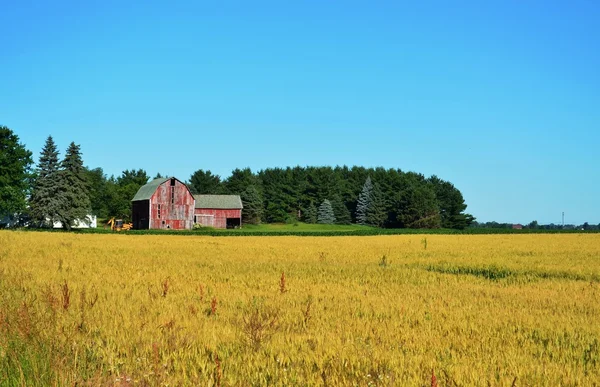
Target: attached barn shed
(163, 203)
(219, 211)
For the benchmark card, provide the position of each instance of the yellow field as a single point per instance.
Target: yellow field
(179, 310)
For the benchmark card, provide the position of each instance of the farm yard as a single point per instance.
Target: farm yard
(465, 310)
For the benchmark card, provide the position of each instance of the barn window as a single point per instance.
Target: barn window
(172, 194)
(172, 182)
(159, 211)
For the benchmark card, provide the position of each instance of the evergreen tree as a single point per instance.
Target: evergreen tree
(342, 215)
(253, 205)
(205, 183)
(310, 215)
(15, 173)
(376, 212)
(74, 189)
(98, 193)
(417, 207)
(326, 215)
(451, 204)
(46, 199)
(364, 201)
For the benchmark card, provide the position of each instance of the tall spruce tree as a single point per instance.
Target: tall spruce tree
(326, 215)
(252, 201)
(46, 199)
(364, 201)
(310, 214)
(15, 173)
(376, 212)
(341, 212)
(74, 189)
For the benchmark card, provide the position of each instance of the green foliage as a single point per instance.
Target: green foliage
(239, 180)
(253, 205)
(205, 183)
(376, 211)
(15, 173)
(451, 204)
(98, 192)
(364, 201)
(341, 212)
(310, 214)
(326, 215)
(121, 190)
(73, 188)
(46, 200)
(417, 207)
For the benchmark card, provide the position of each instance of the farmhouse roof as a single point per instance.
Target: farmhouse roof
(146, 191)
(225, 202)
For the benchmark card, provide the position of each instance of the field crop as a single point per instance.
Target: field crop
(456, 310)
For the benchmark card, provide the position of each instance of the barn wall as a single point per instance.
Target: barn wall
(176, 208)
(216, 217)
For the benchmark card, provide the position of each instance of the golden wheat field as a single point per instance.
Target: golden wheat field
(497, 310)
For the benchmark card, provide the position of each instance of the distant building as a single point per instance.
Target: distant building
(219, 211)
(167, 203)
(517, 226)
(164, 203)
(90, 222)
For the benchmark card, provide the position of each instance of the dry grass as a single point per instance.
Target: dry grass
(388, 310)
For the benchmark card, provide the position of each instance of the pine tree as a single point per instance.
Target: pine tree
(74, 189)
(364, 201)
(46, 199)
(341, 212)
(326, 215)
(253, 205)
(310, 215)
(15, 173)
(376, 212)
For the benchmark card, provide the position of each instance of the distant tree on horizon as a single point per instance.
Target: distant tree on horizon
(45, 201)
(326, 215)
(73, 189)
(364, 201)
(205, 183)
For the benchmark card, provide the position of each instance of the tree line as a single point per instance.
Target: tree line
(377, 197)
(65, 190)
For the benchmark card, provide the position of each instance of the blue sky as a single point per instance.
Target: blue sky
(502, 98)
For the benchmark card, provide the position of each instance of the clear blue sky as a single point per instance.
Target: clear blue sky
(502, 98)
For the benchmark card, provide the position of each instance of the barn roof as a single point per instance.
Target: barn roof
(146, 191)
(225, 202)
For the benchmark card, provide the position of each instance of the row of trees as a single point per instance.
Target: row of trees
(66, 190)
(372, 196)
(55, 191)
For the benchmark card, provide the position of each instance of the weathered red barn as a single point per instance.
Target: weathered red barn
(163, 203)
(219, 211)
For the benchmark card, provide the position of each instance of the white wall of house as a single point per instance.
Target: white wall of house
(77, 223)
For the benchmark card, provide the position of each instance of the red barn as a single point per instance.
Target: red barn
(219, 211)
(163, 203)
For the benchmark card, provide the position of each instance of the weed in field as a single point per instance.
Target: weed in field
(282, 288)
(66, 296)
(307, 312)
(383, 261)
